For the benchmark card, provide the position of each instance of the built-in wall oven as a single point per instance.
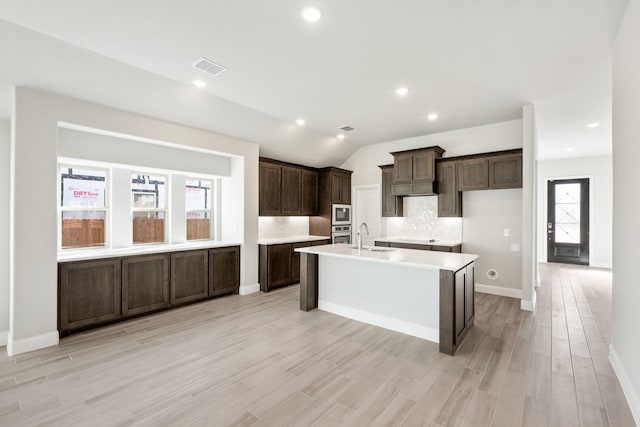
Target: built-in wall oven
(341, 234)
(340, 214)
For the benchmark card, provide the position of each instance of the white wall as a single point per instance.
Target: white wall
(529, 214)
(625, 345)
(36, 115)
(482, 234)
(599, 169)
(5, 139)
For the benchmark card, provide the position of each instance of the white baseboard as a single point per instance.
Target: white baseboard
(606, 265)
(625, 382)
(4, 337)
(32, 343)
(409, 328)
(499, 290)
(249, 289)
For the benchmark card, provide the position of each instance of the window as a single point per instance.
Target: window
(83, 207)
(149, 201)
(198, 197)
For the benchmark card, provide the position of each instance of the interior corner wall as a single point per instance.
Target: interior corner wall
(599, 169)
(482, 230)
(624, 352)
(529, 155)
(5, 143)
(33, 236)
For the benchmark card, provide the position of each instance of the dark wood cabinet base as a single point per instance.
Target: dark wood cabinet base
(98, 292)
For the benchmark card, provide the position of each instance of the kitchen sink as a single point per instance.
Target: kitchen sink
(374, 248)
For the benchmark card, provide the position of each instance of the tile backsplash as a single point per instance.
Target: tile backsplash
(270, 227)
(420, 221)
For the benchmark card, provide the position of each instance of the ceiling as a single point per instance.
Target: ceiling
(471, 62)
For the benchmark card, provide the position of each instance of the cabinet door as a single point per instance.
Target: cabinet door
(270, 189)
(423, 163)
(459, 305)
(402, 168)
(449, 198)
(473, 174)
(416, 246)
(505, 171)
(189, 276)
(470, 288)
(309, 192)
(89, 293)
(295, 261)
(391, 205)
(336, 188)
(291, 191)
(345, 189)
(279, 268)
(224, 270)
(145, 283)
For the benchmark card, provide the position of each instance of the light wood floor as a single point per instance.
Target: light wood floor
(258, 360)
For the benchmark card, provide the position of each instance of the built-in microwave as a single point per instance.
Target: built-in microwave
(340, 214)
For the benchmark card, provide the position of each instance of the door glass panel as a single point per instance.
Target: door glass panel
(567, 213)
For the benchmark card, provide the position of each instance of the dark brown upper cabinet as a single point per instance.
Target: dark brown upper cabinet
(489, 171)
(291, 191)
(391, 206)
(505, 171)
(287, 189)
(449, 197)
(340, 186)
(414, 171)
(270, 189)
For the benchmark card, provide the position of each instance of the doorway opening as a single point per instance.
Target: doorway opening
(568, 221)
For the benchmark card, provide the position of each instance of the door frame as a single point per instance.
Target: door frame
(545, 207)
(354, 206)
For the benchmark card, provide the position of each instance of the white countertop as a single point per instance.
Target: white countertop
(294, 239)
(419, 241)
(100, 253)
(410, 257)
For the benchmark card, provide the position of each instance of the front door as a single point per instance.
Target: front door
(568, 221)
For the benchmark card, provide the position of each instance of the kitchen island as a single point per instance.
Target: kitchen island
(425, 294)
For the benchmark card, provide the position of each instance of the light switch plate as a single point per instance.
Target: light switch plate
(507, 232)
(515, 247)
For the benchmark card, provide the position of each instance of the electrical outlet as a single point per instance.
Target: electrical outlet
(515, 247)
(507, 232)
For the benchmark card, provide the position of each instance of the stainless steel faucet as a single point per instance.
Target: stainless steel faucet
(364, 224)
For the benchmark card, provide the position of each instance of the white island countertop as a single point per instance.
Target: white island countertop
(427, 242)
(292, 239)
(409, 257)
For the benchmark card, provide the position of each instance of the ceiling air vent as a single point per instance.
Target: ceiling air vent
(345, 128)
(208, 66)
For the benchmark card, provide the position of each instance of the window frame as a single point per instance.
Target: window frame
(210, 210)
(106, 209)
(165, 210)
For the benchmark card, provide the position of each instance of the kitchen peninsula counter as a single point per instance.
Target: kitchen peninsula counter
(425, 294)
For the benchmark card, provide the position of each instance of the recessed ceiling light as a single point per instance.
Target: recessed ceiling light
(432, 116)
(402, 91)
(593, 125)
(311, 14)
(300, 122)
(199, 84)
(569, 149)
(340, 136)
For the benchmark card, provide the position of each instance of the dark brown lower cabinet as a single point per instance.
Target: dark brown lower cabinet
(189, 276)
(96, 292)
(280, 264)
(145, 283)
(457, 306)
(224, 271)
(420, 246)
(89, 293)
